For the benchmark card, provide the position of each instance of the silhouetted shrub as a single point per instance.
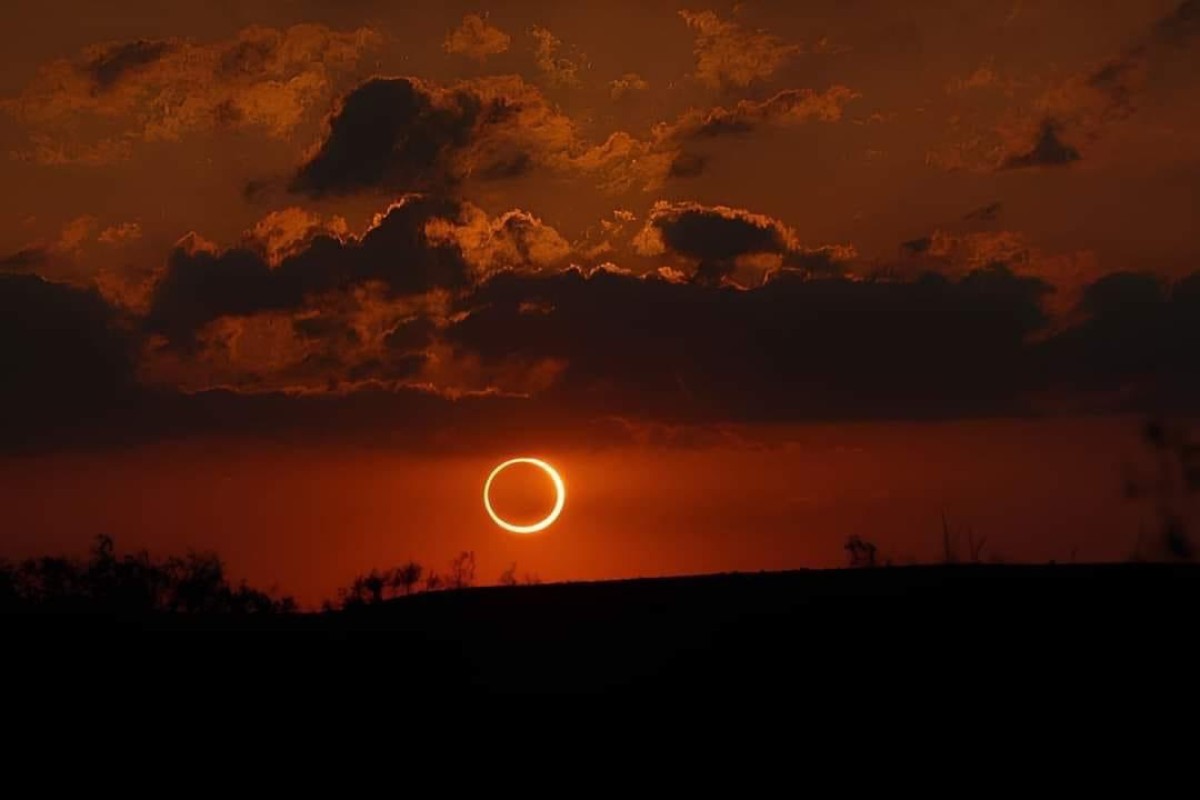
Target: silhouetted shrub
(462, 570)
(861, 552)
(130, 584)
(1174, 477)
(407, 577)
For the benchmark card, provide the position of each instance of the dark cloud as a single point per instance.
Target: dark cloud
(790, 349)
(1122, 78)
(1048, 151)
(512, 166)
(1181, 26)
(404, 134)
(64, 357)
(411, 335)
(718, 234)
(645, 349)
(988, 213)
(714, 238)
(396, 134)
(1140, 337)
(24, 259)
(200, 285)
(687, 165)
(117, 60)
(916, 247)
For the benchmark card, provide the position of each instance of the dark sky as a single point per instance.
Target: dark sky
(636, 234)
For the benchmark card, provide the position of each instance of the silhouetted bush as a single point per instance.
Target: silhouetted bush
(407, 577)
(861, 552)
(130, 584)
(377, 586)
(1169, 486)
(462, 570)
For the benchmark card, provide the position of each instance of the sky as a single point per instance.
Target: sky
(285, 278)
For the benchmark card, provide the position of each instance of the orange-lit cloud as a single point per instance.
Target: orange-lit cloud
(560, 70)
(626, 84)
(513, 240)
(123, 232)
(729, 55)
(1050, 123)
(476, 39)
(94, 108)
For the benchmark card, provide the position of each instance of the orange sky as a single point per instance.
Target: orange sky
(307, 519)
(284, 278)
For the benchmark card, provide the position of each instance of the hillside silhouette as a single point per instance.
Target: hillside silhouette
(765, 631)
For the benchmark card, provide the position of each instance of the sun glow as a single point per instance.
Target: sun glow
(560, 493)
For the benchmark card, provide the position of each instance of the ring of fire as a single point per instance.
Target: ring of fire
(560, 496)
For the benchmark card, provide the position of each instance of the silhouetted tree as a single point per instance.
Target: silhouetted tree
(407, 576)
(862, 552)
(509, 576)
(131, 584)
(462, 570)
(434, 582)
(949, 544)
(9, 596)
(1176, 476)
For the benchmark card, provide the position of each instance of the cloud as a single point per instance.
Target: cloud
(954, 254)
(789, 349)
(729, 55)
(118, 234)
(27, 258)
(987, 213)
(560, 70)
(337, 338)
(202, 284)
(513, 240)
(1047, 151)
(476, 39)
(110, 64)
(405, 134)
(65, 357)
(789, 107)
(720, 241)
(1123, 78)
(63, 251)
(287, 231)
(669, 151)
(1137, 341)
(627, 83)
(1052, 123)
(625, 162)
(94, 108)
(429, 359)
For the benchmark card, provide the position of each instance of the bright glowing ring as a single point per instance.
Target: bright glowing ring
(560, 492)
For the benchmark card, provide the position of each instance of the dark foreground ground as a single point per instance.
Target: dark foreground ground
(764, 631)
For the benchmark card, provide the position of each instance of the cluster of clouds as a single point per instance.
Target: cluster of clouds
(408, 134)
(94, 108)
(441, 318)
(445, 307)
(1049, 124)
